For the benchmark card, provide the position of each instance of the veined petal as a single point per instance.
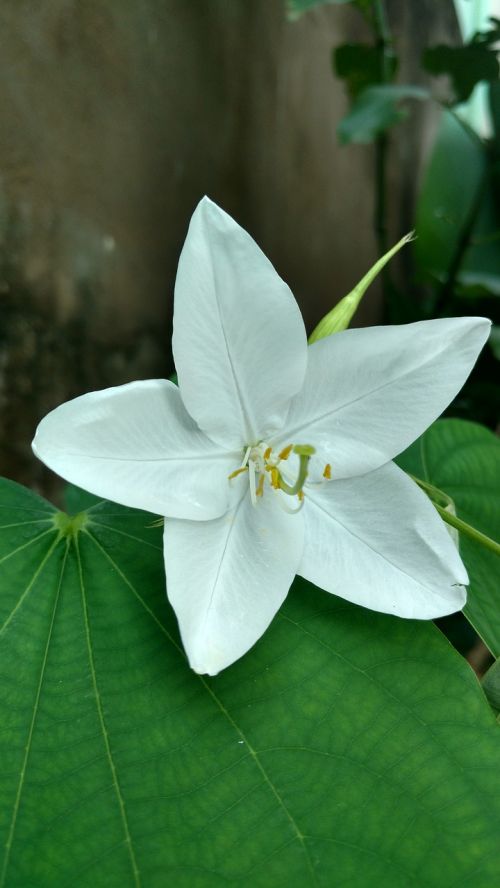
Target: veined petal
(239, 341)
(227, 578)
(378, 541)
(137, 445)
(369, 393)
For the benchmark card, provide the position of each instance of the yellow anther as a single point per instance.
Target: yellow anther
(260, 486)
(327, 472)
(275, 477)
(267, 452)
(237, 472)
(300, 495)
(285, 453)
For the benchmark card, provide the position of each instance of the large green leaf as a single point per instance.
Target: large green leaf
(463, 459)
(456, 204)
(347, 748)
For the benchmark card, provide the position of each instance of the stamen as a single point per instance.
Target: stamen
(275, 477)
(245, 458)
(285, 453)
(237, 472)
(267, 453)
(260, 485)
(327, 472)
(251, 478)
(301, 496)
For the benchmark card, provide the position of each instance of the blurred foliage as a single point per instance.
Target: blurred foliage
(360, 65)
(296, 8)
(456, 255)
(455, 263)
(466, 65)
(375, 110)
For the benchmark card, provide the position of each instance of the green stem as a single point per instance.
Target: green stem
(384, 42)
(457, 523)
(434, 493)
(463, 243)
(468, 530)
(383, 33)
(380, 208)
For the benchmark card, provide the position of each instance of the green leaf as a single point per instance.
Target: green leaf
(494, 341)
(362, 65)
(346, 748)
(456, 202)
(489, 38)
(491, 685)
(375, 110)
(463, 459)
(77, 500)
(466, 66)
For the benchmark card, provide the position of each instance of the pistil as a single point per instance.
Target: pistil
(304, 452)
(258, 460)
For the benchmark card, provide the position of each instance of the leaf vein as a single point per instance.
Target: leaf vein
(104, 730)
(22, 774)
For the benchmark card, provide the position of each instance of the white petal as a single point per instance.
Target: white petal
(239, 341)
(137, 445)
(369, 393)
(377, 540)
(227, 578)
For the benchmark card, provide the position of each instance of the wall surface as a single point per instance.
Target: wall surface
(116, 118)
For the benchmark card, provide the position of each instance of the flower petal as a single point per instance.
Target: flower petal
(239, 341)
(369, 393)
(378, 541)
(227, 578)
(137, 445)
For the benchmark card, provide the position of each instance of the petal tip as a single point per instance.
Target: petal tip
(478, 325)
(208, 209)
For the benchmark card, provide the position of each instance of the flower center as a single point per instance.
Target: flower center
(264, 466)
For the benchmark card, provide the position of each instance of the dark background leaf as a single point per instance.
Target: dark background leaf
(362, 65)
(466, 66)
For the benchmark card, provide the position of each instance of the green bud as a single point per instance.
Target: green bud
(342, 314)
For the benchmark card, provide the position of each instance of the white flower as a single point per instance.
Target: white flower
(249, 387)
